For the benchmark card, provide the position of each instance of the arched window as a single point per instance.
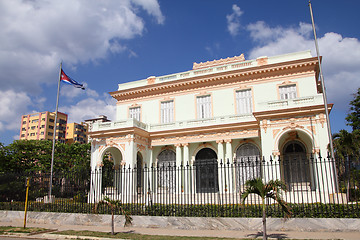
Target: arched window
(248, 164)
(166, 171)
(206, 166)
(296, 166)
(139, 173)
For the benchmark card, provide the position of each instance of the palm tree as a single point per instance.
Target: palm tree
(114, 204)
(272, 190)
(347, 151)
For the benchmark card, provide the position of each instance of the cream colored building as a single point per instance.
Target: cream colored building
(40, 126)
(76, 132)
(220, 111)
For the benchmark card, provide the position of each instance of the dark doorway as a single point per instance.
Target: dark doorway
(296, 166)
(139, 173)
(206, 166)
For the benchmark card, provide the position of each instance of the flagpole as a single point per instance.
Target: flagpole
(54, 136)
(322, 85)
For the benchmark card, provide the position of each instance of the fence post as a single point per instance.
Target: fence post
(26, 199)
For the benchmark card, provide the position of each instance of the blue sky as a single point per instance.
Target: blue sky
(103, 43)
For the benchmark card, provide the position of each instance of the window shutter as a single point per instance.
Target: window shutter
(203, 107)
(135, 113)
(167, 112)
(288, 92)
(244, 101)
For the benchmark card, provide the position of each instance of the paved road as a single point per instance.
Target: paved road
(15, 238)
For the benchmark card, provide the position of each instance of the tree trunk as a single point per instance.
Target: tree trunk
(264, 219)
(112, 223)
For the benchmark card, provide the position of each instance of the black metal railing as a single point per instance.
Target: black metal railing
(316, 187)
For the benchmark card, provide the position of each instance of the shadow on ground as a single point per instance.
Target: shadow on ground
(274, 235)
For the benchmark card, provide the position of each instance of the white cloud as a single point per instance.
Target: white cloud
(36, 34)
(341, 56)
(233, 20)
(13, 104)
(152, 7)
(91, 108)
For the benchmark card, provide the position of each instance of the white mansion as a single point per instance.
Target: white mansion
(220, 112)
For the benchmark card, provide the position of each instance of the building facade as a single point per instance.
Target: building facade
(76, 133)
(221, 111)
(40, 126)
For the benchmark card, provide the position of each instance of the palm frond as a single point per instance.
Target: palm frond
(273, 189)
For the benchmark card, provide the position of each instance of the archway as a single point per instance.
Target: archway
(248, 163)
(206, 166)
(111, 171)
(166, 171)
(296, 166)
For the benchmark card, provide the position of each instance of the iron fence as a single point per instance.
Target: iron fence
(318, 187)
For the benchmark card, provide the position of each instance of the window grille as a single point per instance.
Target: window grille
(203, 106)
(288, 92)
(167, 112)
(166, 171)
(135, 113)
(244, 101)
(248, 164)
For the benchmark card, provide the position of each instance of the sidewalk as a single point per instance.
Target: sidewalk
(179, 232)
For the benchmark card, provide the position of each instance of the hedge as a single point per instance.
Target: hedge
(314, 210)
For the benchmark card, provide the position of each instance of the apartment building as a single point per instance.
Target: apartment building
(76, 132)
(41, 125)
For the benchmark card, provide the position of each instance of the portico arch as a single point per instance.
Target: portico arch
(115, 154)
(296, 166)
(111, 158)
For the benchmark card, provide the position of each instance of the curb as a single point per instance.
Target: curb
(54, 236)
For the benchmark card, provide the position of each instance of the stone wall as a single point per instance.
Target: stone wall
(191, 223)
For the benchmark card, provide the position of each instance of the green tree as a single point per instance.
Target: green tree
(273, 190)
(27, 156)
(24, 158)
(353, 118)
(347, 152)
(3, 160)
(114, 205)
(346, 144)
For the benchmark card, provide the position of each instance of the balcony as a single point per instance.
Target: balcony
(172, 126)
(229, 119)
(290, 103)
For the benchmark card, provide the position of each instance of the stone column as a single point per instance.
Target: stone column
(177, 169)
(184, 175)
(132, 175)
(228, 154)
(148, 177)
(221, 166)
(230, 168)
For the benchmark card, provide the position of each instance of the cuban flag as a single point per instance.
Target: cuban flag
(71, 81)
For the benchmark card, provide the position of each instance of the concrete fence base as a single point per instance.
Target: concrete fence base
(191, 223)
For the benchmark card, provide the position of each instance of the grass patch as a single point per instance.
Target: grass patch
(135, 236)
(4, 230)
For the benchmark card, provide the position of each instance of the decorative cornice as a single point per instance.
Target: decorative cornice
(119, 132)
(213, 79)
(221, 61)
